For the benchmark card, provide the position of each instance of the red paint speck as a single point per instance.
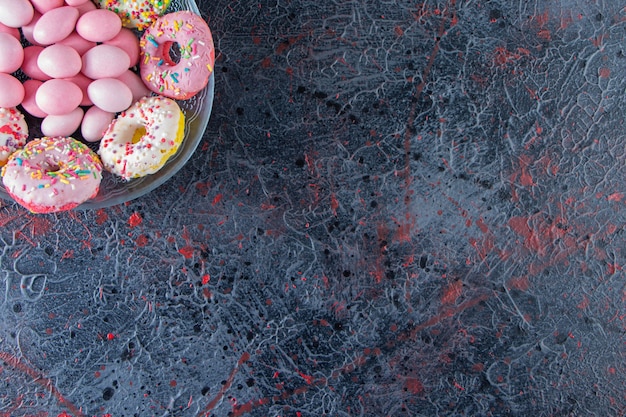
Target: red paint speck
(452, 292)
(110, 336)
(478, 367)
(135, 219)
(584, 303)
(173, 383)
(141, 241)
(205, 279)
(616, 197)
(307, 378)
(413, 385)
(217, 199)
(545, 34)
(101, 216)
(267, 62)
(605, 72)
(186, 251)
(334, 204)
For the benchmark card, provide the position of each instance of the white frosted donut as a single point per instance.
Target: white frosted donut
(52, 174)
(13, 132)
(141, 139)
(135, 13)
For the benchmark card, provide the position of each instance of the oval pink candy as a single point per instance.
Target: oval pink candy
(63, 124)
(11, 53)
(105, 61)
(95, 122)
(29, 104)
(58, 96)
(75, 2)
(59, 61)
(99, 25)
(55, 25)
(16, 13)
(110, 95)
(11, 91)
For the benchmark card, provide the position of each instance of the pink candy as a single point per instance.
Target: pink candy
(11, 91)
(99, 25)
(11, 53)
(59, 61)
(105, 61)
(78, 64)
(16, 13)
(55, 25)
(58, 97)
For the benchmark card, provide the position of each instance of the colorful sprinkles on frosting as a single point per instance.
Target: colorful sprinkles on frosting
(136, 13)
(65, 160)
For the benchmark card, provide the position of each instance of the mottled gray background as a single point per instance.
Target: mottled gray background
(399, 208)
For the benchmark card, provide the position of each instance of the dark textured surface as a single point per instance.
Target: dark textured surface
(399, 208)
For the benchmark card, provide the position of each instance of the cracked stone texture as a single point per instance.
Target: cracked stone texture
(398, 208)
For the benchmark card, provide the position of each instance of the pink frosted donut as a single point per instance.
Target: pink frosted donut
(191, 35)
(52, 174)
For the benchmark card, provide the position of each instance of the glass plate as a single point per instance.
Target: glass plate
(113, 189)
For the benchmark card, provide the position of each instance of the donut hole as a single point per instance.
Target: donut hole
(50, 166)
(171, 53)
(138, 134)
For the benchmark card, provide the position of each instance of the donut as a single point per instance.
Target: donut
(52, 174)
(137, 14)
(190, 34)
(140, 140)
(13, 132)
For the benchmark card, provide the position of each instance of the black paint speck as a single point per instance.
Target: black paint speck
(107, 393)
